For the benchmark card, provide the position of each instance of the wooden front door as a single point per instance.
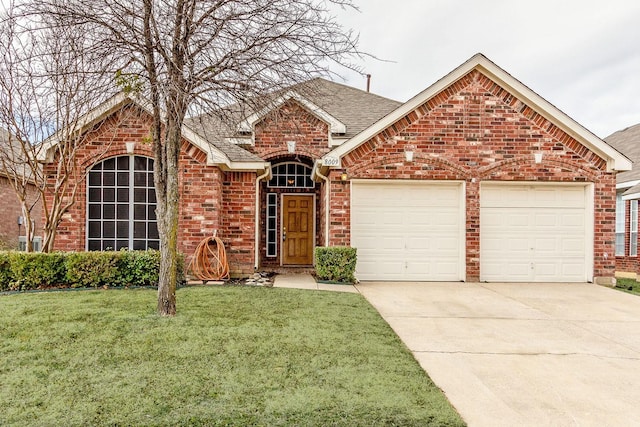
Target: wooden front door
(297, 229)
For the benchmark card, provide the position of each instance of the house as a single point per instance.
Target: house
(627, 141)
(475, 178)
(12, 229)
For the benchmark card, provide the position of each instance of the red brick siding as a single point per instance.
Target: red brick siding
(238, 225)
(11, 209)
(291, 122)
(476, 131)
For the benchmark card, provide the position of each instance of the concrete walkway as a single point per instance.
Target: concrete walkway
(522, 354)
(306, 281)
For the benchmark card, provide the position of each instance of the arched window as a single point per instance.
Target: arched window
(291, 175)
(121, 205)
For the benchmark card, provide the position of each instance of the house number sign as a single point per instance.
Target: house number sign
(331, 161)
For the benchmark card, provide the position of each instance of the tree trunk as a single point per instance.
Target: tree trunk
(168, 277)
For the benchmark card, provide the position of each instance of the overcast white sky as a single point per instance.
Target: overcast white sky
(583, 56)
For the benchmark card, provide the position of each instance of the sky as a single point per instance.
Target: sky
(583, 56)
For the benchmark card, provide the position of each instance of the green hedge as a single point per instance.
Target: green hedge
(336, 263)
(25, 271)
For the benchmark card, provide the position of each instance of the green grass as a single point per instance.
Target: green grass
(628, 285)
(233, 356)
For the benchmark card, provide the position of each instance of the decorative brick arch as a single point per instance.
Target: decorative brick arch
(434, 167)
(526, 167)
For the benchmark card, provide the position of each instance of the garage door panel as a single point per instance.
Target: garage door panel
(421, 230)
(542, 239)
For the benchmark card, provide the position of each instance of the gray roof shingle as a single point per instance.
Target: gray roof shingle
(627, 141)
(356, 108)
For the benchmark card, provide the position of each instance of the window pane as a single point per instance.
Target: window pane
(151, 212)
(94, 211)
(153, 231)
(122, 244)
(95, 229)
(140, 163)
(123, 163)
(150, 183)
(109, 229)
(152, 195)
(109, 179)
(139, 229)
(140, 212)
(139, 245)
(123, 211)
(123, 229)
(123, 195)
(95, 194)
(153, 244)
(94, 245)
(109, 211)
(109, 164)
(95, 178)
(123, 179)
(108, 245)
(140, 195)
(108, 194)
(139, 179)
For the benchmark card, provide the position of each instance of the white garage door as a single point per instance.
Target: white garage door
(534, 233)
(408, 230)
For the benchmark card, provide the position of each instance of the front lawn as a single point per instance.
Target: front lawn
(628, 285)
(233, 356)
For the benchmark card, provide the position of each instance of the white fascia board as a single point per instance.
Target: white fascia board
(627, 184)
(615, 160)
(245, 166)
(632, 196)
(335, 125)
(239, 141)
(98, 113)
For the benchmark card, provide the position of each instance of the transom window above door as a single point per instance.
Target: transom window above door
(291, 175)
(121, 205)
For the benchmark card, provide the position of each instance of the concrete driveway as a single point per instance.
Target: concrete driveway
(522, 354)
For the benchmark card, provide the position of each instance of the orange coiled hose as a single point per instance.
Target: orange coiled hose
(209, 261)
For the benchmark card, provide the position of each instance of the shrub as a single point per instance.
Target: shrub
(6, 276)
(36, 270)
(336, 263)
(25, 271)
(91, 269)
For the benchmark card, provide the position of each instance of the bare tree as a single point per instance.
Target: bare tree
(189, 55)
(44, 87)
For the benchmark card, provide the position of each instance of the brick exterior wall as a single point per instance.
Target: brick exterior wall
(476, 131)
(10, 210)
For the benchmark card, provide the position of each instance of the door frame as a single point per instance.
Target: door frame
(313, 216)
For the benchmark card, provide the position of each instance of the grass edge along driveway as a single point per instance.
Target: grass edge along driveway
(233, 356)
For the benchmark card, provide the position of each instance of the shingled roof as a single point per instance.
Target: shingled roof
(627, 141)
(356, 108)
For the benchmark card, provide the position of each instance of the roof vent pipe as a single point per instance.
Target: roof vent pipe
(368, 82)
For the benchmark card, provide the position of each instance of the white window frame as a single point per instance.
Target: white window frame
(271, 226)
(620, 225)
(301, 172)
(633, 229)
(131, 203)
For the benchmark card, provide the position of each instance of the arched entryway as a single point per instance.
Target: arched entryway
(289, 214)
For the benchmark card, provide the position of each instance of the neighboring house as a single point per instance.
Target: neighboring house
(627, 141)
(475, 178)
(12, 229)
